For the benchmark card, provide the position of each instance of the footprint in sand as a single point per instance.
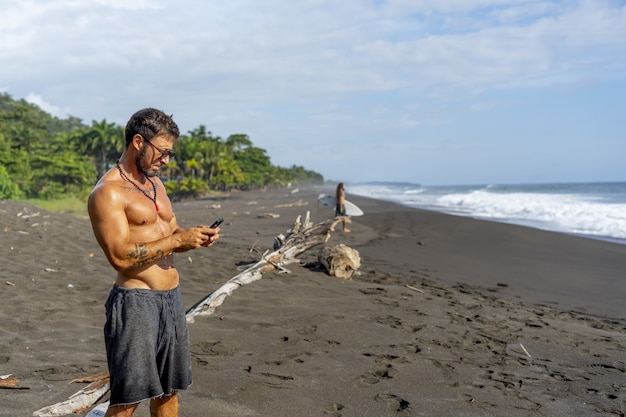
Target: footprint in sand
(387, 359)
(374, 377)
(391, 321)
(275, 380)
(373, 291)
(307, 330)
(334, 409)
(390, 303)
(401, 405)
(213, 348)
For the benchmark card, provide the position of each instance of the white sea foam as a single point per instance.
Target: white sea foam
(585, 209)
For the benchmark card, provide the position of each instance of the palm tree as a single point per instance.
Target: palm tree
(191, 165)
(100, 141)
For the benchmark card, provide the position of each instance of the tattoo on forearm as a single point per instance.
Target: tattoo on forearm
(142, 257)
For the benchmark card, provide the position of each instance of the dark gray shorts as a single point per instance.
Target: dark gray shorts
(147, 344)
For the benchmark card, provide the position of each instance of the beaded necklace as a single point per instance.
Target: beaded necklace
(156, 206)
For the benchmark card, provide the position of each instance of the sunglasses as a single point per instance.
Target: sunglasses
(168, 153)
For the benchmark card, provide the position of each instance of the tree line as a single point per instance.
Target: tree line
(42, 156)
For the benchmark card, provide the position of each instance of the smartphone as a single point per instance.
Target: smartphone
(216, 223)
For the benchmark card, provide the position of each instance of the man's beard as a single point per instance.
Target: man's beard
(148, 173)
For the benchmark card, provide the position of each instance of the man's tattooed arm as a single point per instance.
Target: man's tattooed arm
(142, 256)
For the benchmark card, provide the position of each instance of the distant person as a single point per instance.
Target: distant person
(146, 335)
(340, 205)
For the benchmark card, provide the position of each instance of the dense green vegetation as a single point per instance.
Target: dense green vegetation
(44, 157)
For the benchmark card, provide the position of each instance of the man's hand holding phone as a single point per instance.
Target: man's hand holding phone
(212, 238)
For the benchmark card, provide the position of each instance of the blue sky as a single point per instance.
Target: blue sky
(427, 91)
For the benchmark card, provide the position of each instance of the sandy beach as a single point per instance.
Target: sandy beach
(447, 316)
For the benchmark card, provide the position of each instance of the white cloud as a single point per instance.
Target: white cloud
(307, 49)
(45, 106)
(337, 70)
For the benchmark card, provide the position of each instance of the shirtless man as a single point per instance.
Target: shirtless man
(146, 336)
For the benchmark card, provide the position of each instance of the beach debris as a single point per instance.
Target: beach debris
(6, 382)
(268, 216)
(91, 378)
(298, 203)
(27, 216)
(300, 238)
(10, 283)
(413, 288)
(50, 270)
(340, 261)
(80, 401)
(525, 351)
(253, 247)
(278, 266)
(216, 206)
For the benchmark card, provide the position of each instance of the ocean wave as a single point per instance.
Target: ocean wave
(594, 210)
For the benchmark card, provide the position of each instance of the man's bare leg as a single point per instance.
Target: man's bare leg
(121, 410)
(164, 406)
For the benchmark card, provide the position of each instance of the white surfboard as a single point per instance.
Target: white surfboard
(329, 201)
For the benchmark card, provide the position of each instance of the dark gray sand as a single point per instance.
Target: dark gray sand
(447, 316)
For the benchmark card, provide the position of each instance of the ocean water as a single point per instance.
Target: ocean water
(595, 210)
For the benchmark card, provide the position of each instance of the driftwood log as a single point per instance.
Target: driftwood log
(6, 382)
(302, 237)
(79, 402)
(340, 260)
